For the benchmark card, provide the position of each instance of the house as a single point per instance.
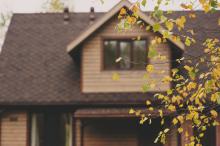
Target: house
(56, 86)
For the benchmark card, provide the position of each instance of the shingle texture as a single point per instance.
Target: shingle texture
(35, 68)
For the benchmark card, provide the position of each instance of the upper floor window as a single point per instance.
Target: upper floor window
(132, 52)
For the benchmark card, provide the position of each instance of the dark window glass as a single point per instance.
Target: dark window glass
(133, 54)
(51, 129)
(139, 54)
(110, 54)
(125, 53)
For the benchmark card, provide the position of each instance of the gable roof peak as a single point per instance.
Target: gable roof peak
(96, 25)
(92, 28)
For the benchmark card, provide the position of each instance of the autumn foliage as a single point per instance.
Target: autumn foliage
(195, 95)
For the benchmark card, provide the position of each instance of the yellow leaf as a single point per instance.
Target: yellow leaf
(131, 20)
(180, 22)
(137, 113)
(180, 118)
(161, 113)
(158, 40)
(166, 130)
(214, 113)
(201, 134)
(188, 68)
(143, 120)
(115, 77)
(169, 25)
(123, 11)
(150, 68)
(172, 108)
(192, 15)
(180, 130)
(206, 7)
(167, 79)
(131, 111)
(151, 108)
(185, 6)
(191, 85)
(214, 98)
(162, 122)
(175, 121)
(148, 102)
(202, 1)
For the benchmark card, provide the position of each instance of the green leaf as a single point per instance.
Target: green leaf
(156, 27)
(152, 52)
(188, 41)
(144, 2)
(192, 75)
(145, 88)
(170, 91)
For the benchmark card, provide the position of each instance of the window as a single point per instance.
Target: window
(132, 52)
(51, 129)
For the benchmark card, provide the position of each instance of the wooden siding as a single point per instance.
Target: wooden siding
(187, 126)
(14, 129)
(95, 79)
(109, 133)
(78, 132)
(218, 133)
(118, 132)
(172, 138)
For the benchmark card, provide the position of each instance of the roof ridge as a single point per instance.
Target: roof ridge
(54, 13)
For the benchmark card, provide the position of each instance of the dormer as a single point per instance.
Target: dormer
(101, 44)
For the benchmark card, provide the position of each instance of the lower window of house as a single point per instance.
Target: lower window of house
(122, 132)
(51, 129)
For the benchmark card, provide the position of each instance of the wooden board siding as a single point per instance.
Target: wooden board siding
(95, 79)
(172, 138)
(118, 132)
(187, 126)
(14, 129)
(218, 133)
(78, 132)
(109, 133)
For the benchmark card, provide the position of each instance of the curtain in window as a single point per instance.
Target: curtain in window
(34, 131)
(67, 119)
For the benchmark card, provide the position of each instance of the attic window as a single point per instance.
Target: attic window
(132, 52)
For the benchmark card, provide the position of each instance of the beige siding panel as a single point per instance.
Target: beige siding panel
(95, 79)
(187, 126)
(14, 129)
(78, 133)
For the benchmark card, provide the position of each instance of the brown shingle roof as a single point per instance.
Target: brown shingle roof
(35, 68)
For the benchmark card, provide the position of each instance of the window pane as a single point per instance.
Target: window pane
(51, 129)
(110, 54)
(139, 54)
(125, 53)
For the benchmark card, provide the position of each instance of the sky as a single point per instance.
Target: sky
(36, 6)
(33, 6)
